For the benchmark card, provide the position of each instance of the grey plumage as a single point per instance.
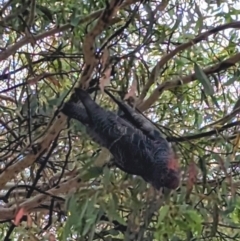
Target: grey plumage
(133, 151)
(136, 119)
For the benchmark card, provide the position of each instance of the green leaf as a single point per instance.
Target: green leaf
(92, 172)
(231, 80)
(228, 210)
(106, 176)
(83, 209)
(237, 104)
(202, 77)
(175, 238)
(46, 11)
(215, 102)
(74, 19)
(194, 219)
(87, 226)
(115, 216)
(163, 213)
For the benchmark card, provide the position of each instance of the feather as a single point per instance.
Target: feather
(137, 119)
(133, 151)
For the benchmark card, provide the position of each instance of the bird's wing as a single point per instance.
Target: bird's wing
(136, 119)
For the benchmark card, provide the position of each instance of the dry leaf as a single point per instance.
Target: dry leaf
(102, 158)
(35, 79)
(29, 221)
(7, 98)
(132, 90)
(105, 58)
(54, 81)
(51, 237)
(161, 6)
(192, 176)
(21, 212)
(105, 79)
(228, 176)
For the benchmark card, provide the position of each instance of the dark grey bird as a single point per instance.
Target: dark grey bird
(134, 152)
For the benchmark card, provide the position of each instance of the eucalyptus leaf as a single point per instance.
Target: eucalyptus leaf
(202, 77)
(163, 213)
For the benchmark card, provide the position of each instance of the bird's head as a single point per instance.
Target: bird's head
(172, 179)
(167, 174)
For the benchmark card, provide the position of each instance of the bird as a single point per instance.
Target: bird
(134, 152)
(136, 119)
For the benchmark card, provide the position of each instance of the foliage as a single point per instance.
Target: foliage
(178, 59)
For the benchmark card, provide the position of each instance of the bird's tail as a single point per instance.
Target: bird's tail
(75, 111)
(91, 106)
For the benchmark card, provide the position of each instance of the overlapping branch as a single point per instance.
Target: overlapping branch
(171, 84)
(31, 203)
(27, 39)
